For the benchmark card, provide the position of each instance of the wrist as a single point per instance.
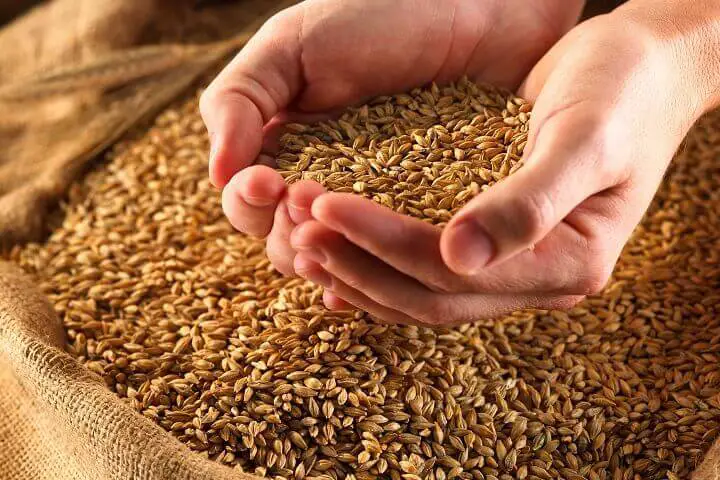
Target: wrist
(560, 15)
(685, 37)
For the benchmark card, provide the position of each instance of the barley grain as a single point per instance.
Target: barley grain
(425, 154)
(188, 323)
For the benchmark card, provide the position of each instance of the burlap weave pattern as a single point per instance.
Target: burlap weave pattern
(59, 420)
(74, 76)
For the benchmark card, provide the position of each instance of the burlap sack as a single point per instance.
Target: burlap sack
(59, 421)
(74, 76)
(72, 80)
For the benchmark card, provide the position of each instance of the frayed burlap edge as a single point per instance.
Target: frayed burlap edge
(98, 433)
(60, 421)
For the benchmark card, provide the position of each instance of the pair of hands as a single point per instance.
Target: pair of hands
(614, 97)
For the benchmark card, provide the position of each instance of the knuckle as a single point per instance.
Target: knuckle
(636, 38)
(608, 165)
(434, 312)
(600, 161)
(534, 214)
(595, 281)
(281, 22)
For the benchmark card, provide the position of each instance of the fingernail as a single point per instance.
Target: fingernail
(258, 201)
(473, 247)
(313, 254)
(298, 214)
(319, 277)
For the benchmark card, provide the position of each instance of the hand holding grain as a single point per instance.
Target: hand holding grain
(601, 138)
(320, 56)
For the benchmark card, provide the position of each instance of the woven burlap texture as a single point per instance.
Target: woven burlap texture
(75, 75)
(60, 421)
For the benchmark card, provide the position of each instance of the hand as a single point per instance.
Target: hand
(323, 55)
(613, 100)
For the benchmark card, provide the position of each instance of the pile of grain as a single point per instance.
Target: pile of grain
(425, 153)
(188, 322)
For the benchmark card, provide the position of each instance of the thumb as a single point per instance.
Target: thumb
(559, 174)
(590, 116)
(258, 83)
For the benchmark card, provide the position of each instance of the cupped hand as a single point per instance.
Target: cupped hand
(323, 55)
(613, 101)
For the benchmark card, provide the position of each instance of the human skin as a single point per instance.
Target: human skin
(614, 96)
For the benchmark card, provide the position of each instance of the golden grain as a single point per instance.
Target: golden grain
(188, 323)
(425, 154)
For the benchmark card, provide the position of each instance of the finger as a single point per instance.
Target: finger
(307, 268)
(453, 310)
(389, 288)
(583, 140)
(564, 168)
(333, 302)
(301, 196)
(250, 199)
(360, 270)
(261, 80)
(565, 262)
(278, 248)
(467, 308)
(405, 243)
(293, 210)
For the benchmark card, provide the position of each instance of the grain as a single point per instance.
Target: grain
(425, 154)
(188, 323)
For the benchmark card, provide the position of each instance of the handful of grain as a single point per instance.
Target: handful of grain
(425, 154)
(190, 325)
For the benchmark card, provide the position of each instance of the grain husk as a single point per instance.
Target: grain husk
(424, 154)
(188, 323)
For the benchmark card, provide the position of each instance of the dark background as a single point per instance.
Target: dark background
(12, 8)
(595, 7)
